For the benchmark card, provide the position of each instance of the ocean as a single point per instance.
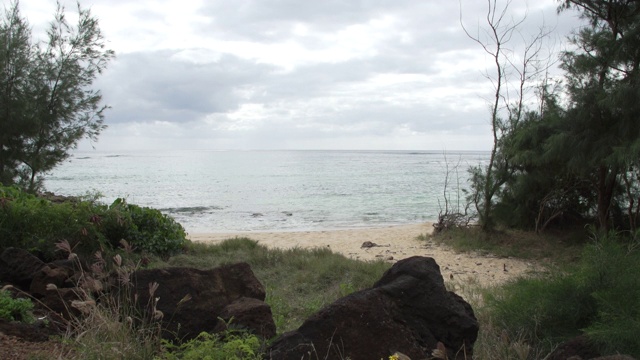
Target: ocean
(229, 191)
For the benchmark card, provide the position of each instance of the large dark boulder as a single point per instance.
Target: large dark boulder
(18, 266)
(211, 295)
(408, 310)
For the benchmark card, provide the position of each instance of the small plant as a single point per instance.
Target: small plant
(346, 289)
(15, 309)
(229, 345)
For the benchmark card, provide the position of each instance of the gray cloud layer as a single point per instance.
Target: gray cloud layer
(305, 74)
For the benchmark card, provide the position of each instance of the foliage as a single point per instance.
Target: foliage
(599, 297)
(575, 161)
(36, 224)
(14, 309)
(144, 228)
(230, 345)
(45, 93)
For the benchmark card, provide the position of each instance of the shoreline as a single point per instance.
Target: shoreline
(393, 243)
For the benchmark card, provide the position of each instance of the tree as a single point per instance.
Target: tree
(580, 157)
(46, 98)
(601, 131)
(506, 114)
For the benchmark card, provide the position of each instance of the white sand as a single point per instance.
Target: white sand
(394, 243)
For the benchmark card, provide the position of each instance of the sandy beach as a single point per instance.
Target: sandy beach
(392, 243)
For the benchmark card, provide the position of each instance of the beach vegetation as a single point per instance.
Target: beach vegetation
(572, 159)
(516, 66)
(15, 309)
(37, 223)
(597, 296)
(46, 97)
(107, 324)
(231, 344)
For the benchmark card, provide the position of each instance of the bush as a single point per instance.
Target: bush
(15, 309)
(599, 297)
(144, 228)
(231, 345)
(37, 224)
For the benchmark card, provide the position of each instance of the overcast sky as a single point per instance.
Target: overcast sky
(298, 74)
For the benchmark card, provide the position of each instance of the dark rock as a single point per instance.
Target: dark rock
(27, 332)
(368, 244)
(408, 310)
(18, 266)
(210, 291)
(59, 301)
(252, 314)
(48, 274)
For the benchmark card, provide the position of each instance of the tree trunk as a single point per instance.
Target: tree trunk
(606, 183)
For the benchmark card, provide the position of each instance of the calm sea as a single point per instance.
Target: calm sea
(225, 191)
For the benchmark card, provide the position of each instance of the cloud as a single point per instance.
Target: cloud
(291, 74)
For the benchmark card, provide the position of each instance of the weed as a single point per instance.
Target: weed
(229, 345)
(15, 309)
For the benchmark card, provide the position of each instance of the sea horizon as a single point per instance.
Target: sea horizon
(221, 191)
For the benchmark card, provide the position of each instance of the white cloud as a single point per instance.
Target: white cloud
(288, 74)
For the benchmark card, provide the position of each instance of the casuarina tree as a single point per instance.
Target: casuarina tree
(47, 103)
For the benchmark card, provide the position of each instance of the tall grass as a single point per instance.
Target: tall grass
(106, 322)
(599, 296)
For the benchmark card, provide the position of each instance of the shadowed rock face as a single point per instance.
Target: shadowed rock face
(225, 292)
(18, 266)
(407, 310)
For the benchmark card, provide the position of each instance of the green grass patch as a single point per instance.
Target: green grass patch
(553, 247)
(299, 282)
(598, 296)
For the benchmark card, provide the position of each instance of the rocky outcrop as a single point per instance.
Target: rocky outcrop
(18, 266)
(191, 301)
(408, 311)
(188, 301)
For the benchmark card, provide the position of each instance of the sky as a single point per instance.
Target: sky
(300, 74)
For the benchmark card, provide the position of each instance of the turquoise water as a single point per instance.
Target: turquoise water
(223, 191)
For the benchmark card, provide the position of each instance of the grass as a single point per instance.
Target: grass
(556, 247)
(299, 282)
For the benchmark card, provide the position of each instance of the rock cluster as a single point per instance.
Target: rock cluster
(407, 311)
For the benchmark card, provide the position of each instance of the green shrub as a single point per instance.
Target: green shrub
(15, 309)
(144, 228)
(37, 224)
(599, 297)
(231, 345)
(613, 267)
